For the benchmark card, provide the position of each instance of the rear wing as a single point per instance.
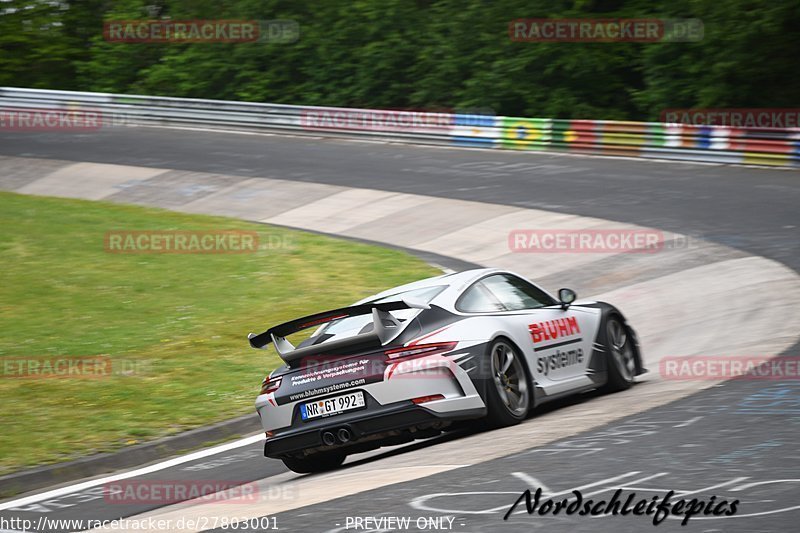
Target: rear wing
(385, 329)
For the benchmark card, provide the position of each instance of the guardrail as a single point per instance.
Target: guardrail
(654, 140)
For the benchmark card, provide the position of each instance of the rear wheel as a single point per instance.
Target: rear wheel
(621, 358)
(507, 395)
(318, 462)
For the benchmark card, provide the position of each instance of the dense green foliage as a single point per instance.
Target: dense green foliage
(429, 54)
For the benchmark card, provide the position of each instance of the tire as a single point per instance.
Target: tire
(318, 462)
(508, 390)
(621, 356)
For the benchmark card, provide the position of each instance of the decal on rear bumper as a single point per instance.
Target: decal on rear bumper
(320, 375)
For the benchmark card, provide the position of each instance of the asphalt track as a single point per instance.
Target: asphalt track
(670, 448)
(751, 209)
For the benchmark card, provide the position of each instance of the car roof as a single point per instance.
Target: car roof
(455, 281)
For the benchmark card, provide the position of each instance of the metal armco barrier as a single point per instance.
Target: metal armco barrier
(654, 140)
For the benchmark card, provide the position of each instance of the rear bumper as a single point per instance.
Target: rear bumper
(388, 384)
(371, 428)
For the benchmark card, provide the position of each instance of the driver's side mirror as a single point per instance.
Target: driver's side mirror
(566, 297)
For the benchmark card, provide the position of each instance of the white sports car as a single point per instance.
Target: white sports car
(408, 362)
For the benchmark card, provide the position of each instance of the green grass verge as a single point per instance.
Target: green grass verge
(175, 323)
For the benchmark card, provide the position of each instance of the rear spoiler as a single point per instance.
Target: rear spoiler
(385, 328)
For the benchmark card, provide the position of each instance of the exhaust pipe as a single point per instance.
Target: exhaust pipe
(344, 435)
(328, 438)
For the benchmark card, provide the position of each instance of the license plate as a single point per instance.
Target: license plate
(332, 406)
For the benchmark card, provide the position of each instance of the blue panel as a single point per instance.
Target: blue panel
(475, 120)
(704, 137)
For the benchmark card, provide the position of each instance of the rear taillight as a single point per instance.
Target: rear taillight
(420, 350)
(426, 399)
(270, 385)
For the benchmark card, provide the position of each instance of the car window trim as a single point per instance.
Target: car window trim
(505, 309)
(486, 291)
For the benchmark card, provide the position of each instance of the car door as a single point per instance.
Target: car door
(556, 343)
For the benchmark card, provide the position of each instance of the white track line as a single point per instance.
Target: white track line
(133, 473)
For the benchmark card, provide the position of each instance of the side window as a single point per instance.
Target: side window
(477, 299)
(515, 293)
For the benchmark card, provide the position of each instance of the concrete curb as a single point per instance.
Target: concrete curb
(128, 457)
